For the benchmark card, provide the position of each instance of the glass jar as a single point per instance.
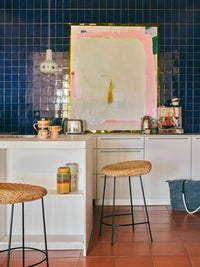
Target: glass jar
(63, 180)
(74, 175)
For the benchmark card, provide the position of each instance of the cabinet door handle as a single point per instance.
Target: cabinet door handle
(166, 138)
(120, 138)
(120, 151)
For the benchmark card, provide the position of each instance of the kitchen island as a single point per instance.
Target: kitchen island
(69, 220)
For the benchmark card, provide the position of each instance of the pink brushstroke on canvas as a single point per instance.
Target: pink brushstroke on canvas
(72, 91)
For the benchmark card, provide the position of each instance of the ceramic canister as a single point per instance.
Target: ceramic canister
(63, 180)
(74, 175)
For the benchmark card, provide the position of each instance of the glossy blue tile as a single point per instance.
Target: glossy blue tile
(139, 16)
(88, 16)
(37, 16)
(59, 17)
(45, 16)
(67, 4)
(1, 4)
(59, 4)
(81, 14)
(146, 16)
(38, 4)
(74, 16)
(1, 16)
(132, 4)
(8, 4)
(30, 4)
(125, 4)
(52, 16)
(44, 30)
(23, 4)
(103, 4)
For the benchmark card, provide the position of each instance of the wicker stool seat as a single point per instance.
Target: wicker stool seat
(125, 169)
(13, 193)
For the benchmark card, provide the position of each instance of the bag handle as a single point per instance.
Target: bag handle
(184, 200)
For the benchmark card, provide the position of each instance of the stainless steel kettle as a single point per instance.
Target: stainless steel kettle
(146, 123)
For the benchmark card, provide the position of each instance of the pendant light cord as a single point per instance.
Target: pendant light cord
(49, 23)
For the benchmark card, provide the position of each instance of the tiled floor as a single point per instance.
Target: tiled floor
(176, 243)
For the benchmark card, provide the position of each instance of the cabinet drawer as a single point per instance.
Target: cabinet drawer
(105, 156)
(120, 142)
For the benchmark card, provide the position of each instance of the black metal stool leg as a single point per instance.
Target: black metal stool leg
(146, 209)
(10, 235)
(113, 214)
(23, 254)
(104, 188)
(45, 235)
(131, 201)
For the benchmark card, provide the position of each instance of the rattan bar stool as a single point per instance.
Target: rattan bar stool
(12, 193)
(125, 169)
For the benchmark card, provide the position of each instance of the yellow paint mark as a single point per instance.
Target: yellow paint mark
(110, 94)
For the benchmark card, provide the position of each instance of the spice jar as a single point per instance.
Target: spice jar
(63, 180)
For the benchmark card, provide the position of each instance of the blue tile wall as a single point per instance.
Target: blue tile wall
(26, 94)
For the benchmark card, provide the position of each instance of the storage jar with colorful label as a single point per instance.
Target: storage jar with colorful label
(63, 180)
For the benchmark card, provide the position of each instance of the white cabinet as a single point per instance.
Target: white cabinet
(113, 149)
(171, 159)
(68, 217)
(196, 157)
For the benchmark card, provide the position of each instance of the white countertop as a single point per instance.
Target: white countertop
(31, 141)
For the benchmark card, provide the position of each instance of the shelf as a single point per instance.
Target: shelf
(71, 194)
(55, 242)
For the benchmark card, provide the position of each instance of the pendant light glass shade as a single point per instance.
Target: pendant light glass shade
(48, 66)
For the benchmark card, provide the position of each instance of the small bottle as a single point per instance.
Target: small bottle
(63, 180)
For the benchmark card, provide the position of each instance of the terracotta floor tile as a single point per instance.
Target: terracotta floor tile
(181, 227)
(192, 247)
(165, 236)
(97, 262)
(133, 249)
(195, 261)
(65, 253)
(132, 236)
(190, 235)
(160, 219)
(106, 232)
(173, 261)
(188, 218)
(163, 227)
(142, 261)
(158, 213)
(3, 259)
(168, 248)
(177, 213)
(158, 207)
(63, 262)
(101, 249)
(31, 257)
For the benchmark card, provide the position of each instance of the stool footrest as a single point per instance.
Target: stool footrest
(115, 225)
(27, 248)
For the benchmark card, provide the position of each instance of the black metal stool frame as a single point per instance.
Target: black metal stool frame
(23, 240)
(113, 214)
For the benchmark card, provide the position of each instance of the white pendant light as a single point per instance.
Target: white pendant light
(48, 66)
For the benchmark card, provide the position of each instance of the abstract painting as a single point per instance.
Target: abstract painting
(113, 75)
